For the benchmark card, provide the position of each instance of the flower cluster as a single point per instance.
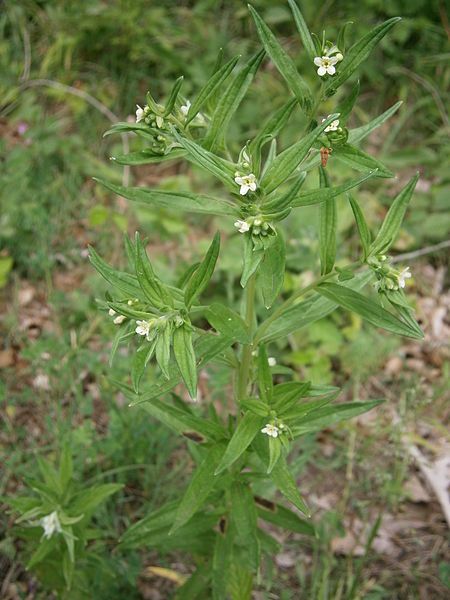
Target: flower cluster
(51, 524)
(149, 117)
(152, 327)
(117, 320)
(257, 225)
(273, 430)
(388, 278)
(246, 183)
(326, 63)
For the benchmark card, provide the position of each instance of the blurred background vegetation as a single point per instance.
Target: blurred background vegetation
(69, 69)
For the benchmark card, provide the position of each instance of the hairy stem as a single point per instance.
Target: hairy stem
(246, 358)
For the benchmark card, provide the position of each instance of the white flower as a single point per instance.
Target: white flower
(111, 312)
(143, 328)
(271, 430)
(185, 108)
(242, 226)
(140, 114)
(333, 126)
(247, 182)
(326, 65)
(51, 524)
(402, 276)
(119, 319)
(272, 361)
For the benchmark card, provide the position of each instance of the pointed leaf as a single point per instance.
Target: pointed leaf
(246, 430)
(327, 228)
(356, 158)
(185, 357)
(271, 270)
(228, 322)
(303, 30)
(363, 229)
(200, 279)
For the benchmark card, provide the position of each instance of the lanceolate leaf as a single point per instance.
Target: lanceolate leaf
(359, 133)
(285, 482)
(210, 87)
(363, 229)
(286, 162)
(345, 108)
(283, 517)
(200, 279)
(283, 62)
(178, 201)
(307, 312)
(246, 430)
(368, 309)
(271, 270)
(327, 193)
(123, 281)
(145, 157)
(358, 53)
(185, 357)
(244, 517)
(394, 218)
(173, 96)
(356, 158)
(303, 30)
(154, 290)
(265, 382)
(274, 124)
(329, 415)
(228, 322)
(200, 486)
(230, 101)
(327, 230)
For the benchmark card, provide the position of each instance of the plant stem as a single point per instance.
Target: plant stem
(247, 349)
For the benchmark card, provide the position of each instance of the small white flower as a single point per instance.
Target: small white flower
(246, 183)
(271, 430)
(326, 65)
(119, 319)
(140, 114)
(403, 276)
(185, 108)
(339, 56)
(272, 361)
(333, 126)
(51, 524)
(143, 327)
(242, 226)
(111, 312)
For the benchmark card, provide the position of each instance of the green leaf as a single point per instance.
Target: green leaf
(170, 104)
(228, 322)
(394, 218)
(252, 258)
(283, 62)
(358, 53)
(287, 394)
(200, 486)
(346, 107)
(271, 270)
(162, 350)
(363, 229)
(154, 290)
(356, 158)
(200, 279)
(285, 482)
(223, 170)
(274, 453)
(88, 500)
(222, 558)
(185, 357)
(265, 383)
(143, 157)
(359, 133)
(330, 415)
(327, 228)
(315, 196)
(287, 199)
(44, 548)
(283, 517)
(244, 433)
(230, 101)
(286, 162)
(273, 125)
(123, 281)
(65, 467)
(210, 87)
(244, 517)
(369, 310)
(303, 30)
(306, 312)
(177, 201)
(124, 127)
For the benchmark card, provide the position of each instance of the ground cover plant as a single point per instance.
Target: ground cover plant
(217, 317)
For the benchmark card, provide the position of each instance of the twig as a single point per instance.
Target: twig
(68, 89)
(421, 252)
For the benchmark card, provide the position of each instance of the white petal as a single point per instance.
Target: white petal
(321, 71)
(318, 61)
(244, 189)
(252, 186)
(331, 70)
(333, 60)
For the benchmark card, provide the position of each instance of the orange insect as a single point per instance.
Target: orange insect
(325, 155)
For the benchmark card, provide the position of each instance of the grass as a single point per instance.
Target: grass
(56, 383)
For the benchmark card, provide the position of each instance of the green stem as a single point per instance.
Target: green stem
(247, 349)
(290, 301)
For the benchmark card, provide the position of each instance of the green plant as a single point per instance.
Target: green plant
(217, 518)
(55, 524)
